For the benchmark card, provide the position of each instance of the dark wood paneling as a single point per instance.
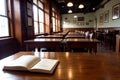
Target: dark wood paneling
(110, 29)
(80, 29)
(90, 29)
(8, 47)
(17, 20)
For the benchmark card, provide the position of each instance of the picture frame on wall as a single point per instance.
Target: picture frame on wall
(80, 18)
(106, 16)
(101, 18)
(116, 11)
(80, 23)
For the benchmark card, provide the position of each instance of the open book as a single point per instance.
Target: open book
(33, 64)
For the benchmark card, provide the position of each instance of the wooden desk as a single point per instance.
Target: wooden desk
(73, 33)
(91, 44)
(50, 36)
(63, 33)
(43, 43)
(72, 66)
(75, 36)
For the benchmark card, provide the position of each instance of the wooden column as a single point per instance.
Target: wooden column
(117, 43)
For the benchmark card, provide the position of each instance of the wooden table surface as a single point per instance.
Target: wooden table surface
(81, 40)
(81, 43)
(43, 43)
(44, 40)
(72, 66)
(50, 36)
(75, 36)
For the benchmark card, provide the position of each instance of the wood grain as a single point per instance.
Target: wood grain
(72, 66)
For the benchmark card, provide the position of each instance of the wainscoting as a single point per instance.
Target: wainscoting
(91, 29)
(8, 46)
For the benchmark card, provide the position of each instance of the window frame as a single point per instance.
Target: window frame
(38, 20)
(53, 20)
(7, 17)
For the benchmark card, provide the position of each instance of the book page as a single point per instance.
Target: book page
(22, 63)
(45, 65)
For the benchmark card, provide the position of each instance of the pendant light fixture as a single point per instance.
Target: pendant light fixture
(81, 6)
(69, 4)
(70, 11)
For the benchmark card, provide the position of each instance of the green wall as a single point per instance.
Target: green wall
(111, 22)
(68, 20)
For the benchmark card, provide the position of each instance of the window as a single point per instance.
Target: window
(53, 20)
(4, 26)
(38, 17)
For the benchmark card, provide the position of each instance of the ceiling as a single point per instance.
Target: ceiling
(89, 5)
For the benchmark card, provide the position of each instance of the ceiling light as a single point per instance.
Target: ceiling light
(70, 4)
(81, 6)
(75, 16)
(93, 8)
(70, 11)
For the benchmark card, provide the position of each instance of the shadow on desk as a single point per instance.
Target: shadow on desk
(79, 50)
(28, 73)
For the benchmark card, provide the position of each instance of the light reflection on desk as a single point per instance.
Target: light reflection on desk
(72, 66)
(67, 54)
(70, 74)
